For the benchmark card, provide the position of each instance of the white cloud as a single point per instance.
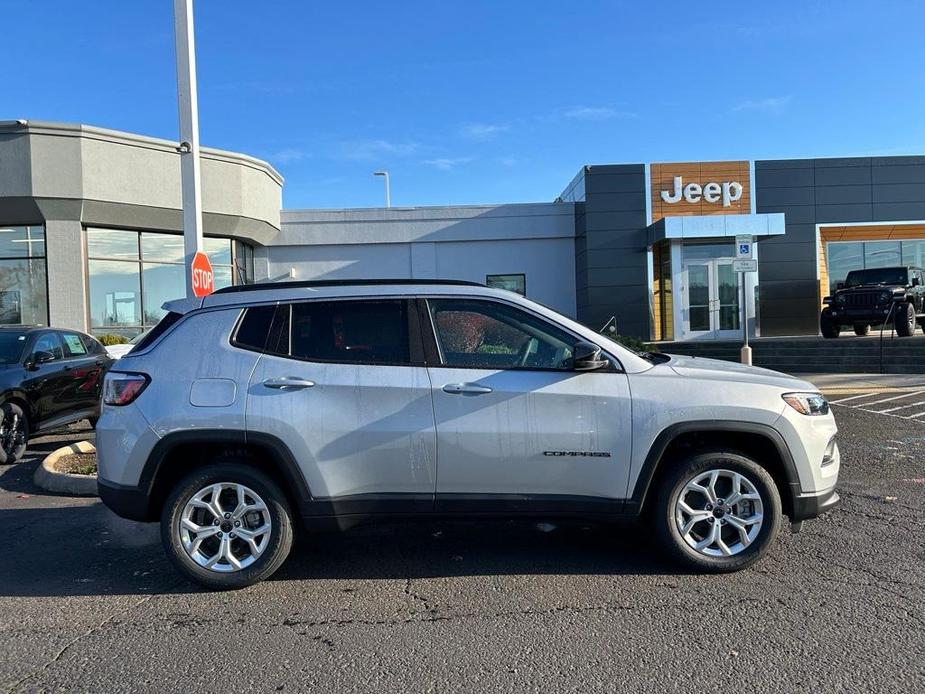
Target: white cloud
(483, 131)
(372, 150)
(286, 156)
(448, 163)
(596, 113)
(771, 104)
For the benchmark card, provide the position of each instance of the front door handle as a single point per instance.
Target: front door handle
(288, 383)
(465, 389)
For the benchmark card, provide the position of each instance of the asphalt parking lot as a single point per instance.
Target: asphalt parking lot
(88, 602)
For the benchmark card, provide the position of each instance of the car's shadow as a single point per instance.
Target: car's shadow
(87, 550)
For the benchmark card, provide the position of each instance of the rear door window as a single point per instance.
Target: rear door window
(73, 345)
(350, 332)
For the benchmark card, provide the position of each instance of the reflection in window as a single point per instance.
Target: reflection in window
(23, 284)
(843, 256)
(133, 273)
(513, 283)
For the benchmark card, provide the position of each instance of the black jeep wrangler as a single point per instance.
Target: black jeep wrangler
(875, 297)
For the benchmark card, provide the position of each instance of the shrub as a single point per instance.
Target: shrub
(108, 339)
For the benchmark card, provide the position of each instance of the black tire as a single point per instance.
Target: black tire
(235, 472)
(14, 433)
(861, 329)
(904, 321)
(827, 326)
(673, 483)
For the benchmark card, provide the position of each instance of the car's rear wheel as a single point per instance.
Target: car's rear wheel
(905, 320)
(717, 511)
(827, 326)
(14, 433)
(227, 525)
(861, 329)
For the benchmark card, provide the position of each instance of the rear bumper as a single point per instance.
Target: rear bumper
(806, 507)
(125, 500)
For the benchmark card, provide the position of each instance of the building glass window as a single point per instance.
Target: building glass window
(844, 256)
(23, 283)
(513, 283)
(133, 273)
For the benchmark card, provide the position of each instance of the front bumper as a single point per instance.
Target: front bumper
(813, 506)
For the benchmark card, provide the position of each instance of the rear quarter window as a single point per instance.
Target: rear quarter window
(254, 328)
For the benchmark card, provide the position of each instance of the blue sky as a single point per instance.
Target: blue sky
(480, 102)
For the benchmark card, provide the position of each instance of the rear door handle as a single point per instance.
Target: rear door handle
(288, 383)
(465, 389)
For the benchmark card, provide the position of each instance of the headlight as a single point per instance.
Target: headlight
(811, 404)
(885, 296)
(840, 299)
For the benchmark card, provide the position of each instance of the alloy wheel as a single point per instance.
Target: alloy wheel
(12, 432)
(225, 527)
(719, 513)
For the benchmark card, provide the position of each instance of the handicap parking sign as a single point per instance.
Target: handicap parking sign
(743, 246)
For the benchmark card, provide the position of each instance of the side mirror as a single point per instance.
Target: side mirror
(42, 357)
(915, 281)
(839, 285)
(586, 356)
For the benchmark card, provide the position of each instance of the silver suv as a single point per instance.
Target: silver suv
(335, 403)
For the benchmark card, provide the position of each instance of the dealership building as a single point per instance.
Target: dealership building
(91, 219)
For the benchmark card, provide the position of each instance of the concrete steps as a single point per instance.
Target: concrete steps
(816, 355)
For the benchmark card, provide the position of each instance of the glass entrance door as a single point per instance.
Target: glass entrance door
(711, 298)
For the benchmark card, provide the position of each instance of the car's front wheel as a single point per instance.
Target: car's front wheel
(905, 320)
(14, 433)
(828, 327)
(227, 525)
(717, 511)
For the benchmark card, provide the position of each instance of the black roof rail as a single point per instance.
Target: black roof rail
(310, 284)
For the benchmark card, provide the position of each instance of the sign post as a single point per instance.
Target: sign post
(189, 138)
(744, 263)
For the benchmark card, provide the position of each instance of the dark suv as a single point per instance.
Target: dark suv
(48, 378)
(875, 297)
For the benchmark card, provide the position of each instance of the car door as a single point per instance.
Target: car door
(86, 370)
(46, 382)
(516, 425)
(342, 385)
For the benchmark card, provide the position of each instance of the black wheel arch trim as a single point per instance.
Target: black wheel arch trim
(134, 501)
(654, 457)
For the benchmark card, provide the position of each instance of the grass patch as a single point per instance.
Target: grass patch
(77, 464)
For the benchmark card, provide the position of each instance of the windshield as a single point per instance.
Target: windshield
(11, 345)
(884, 275)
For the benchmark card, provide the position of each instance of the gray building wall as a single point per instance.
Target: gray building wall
(69, 177)
(611, 256)
(466, 243)
(823, 191)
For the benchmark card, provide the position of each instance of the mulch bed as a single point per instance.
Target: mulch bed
(77, 464)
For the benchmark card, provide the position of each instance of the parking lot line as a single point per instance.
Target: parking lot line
(895, 397)
(853, 397)
(901, 407)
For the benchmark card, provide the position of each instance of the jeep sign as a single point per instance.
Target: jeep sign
(728, 191)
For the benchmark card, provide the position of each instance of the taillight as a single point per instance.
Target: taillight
(123, 388)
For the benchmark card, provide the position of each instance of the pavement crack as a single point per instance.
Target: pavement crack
(89, 632)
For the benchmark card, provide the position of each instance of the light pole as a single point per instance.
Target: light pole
(388, 188)
(189, 134)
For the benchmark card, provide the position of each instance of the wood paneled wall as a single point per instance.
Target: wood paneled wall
(662, 178)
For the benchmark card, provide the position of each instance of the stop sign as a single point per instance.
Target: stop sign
(203, 277)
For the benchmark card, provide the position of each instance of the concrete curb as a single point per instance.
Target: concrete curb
(51, 480)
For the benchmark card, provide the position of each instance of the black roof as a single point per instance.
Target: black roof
(309, 284)
(23, 328)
